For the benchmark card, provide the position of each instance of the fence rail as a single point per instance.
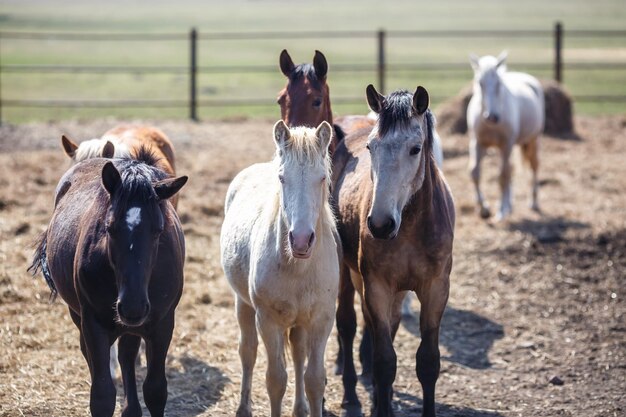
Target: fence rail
(381, 67)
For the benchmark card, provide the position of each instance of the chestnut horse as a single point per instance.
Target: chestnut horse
(305, 100)
(396, 222)
(114, 251)
(125, 141)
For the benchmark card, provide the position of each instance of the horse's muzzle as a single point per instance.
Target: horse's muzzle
(382, 230)
(133, 314)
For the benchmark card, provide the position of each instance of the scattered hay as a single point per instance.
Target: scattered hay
(451, 115)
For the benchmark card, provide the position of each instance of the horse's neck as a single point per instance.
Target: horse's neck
(420, 207)
(329, 111)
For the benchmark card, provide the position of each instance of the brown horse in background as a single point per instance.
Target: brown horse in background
(114, 250)
(396, 222)
(126, 141)
(305, 100)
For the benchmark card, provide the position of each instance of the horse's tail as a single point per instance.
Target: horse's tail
(40, 262)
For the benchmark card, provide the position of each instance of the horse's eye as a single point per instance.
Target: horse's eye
(317, 102)
(368, 146)
(281, 179)
(415, 150)
(323, 178)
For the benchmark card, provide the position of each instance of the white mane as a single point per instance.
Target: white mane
(93, 148)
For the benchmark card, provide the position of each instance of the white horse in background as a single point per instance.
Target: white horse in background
(280, 257)
(507, 108)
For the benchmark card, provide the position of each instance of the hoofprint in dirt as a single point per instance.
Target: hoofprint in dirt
(534, 298)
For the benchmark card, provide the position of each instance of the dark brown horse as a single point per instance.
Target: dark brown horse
(305, 100)
(396, 221)
(114, 251)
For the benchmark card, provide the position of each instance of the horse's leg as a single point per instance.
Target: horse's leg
(506, 171)
(96, 342)
(476, 154)
(345, 315)
(276, 375)
(346, 329)
(298, 341)
(530, 151)
(433, 299)
(366, 354)
(315, 375)
(248, 342)
(378, 300)
(128, 346)
(76, 319)
(155, 385)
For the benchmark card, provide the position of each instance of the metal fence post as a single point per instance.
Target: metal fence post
(381, 61)
(193, 70)
(558, 52)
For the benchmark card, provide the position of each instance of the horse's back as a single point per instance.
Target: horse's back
(137, 136)
(530, 100)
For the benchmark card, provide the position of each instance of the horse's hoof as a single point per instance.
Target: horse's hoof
(485, 213)
(351, 410)
(244, 412)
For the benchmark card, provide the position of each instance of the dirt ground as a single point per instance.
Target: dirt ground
(536, 297)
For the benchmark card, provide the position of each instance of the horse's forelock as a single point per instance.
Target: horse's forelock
(137, 184)
(305, 71)
(397, 111)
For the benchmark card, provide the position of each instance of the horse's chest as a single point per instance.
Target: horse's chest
(407, 265)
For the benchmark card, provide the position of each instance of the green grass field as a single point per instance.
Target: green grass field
(255, 16)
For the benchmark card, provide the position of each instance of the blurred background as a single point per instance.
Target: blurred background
(136, 59)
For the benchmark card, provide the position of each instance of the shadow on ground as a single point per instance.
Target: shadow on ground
(466, 335)
(192, 386)
(409, 405)
(547, 229)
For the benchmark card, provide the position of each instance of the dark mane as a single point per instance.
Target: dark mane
(305, 71)
(397, 111)
(138, 178)
(146, 155)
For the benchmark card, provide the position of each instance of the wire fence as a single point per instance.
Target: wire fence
(382, 67)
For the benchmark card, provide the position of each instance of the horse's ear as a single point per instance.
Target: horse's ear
(68, 146)
(111, 178)
(324, 134)
(474, 59)
(374, 99)
(167, 188)
(420, 100)
(281, 133)
(320, 65)
(108, 151)
(502, 58)
(286, 64)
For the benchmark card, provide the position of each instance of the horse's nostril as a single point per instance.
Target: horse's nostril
(290, 237)
(311, 238)
(391, 225)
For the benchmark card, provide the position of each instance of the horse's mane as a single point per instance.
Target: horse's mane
(93, 149)
(398, 111)
(305, 71)
(138, 177)
(303, 146)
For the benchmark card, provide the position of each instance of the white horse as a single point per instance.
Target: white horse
(507, 108)
(280, 257)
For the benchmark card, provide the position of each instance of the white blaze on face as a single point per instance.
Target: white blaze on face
(133, 217)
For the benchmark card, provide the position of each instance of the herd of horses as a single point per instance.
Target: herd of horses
(357, 204)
